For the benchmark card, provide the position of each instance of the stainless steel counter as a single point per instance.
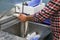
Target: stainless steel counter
(8, 21)
(7, 36)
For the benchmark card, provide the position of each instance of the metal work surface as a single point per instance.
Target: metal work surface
(8, 21)
(7, 36)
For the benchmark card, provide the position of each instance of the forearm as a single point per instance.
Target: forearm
(30, 18)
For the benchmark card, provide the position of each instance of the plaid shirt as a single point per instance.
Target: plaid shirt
(52, 11)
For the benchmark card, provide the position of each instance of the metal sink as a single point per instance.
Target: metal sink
(43, 30)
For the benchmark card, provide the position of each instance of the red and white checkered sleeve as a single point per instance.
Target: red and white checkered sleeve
(51, 7)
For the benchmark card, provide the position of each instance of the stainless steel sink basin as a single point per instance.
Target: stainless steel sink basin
(12, 25)
(43, 30)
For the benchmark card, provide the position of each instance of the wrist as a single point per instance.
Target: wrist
(29, 18)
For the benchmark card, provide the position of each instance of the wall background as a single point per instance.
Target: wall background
(8, 4)
(45, 1)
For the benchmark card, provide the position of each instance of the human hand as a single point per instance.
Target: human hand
(22, 17)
